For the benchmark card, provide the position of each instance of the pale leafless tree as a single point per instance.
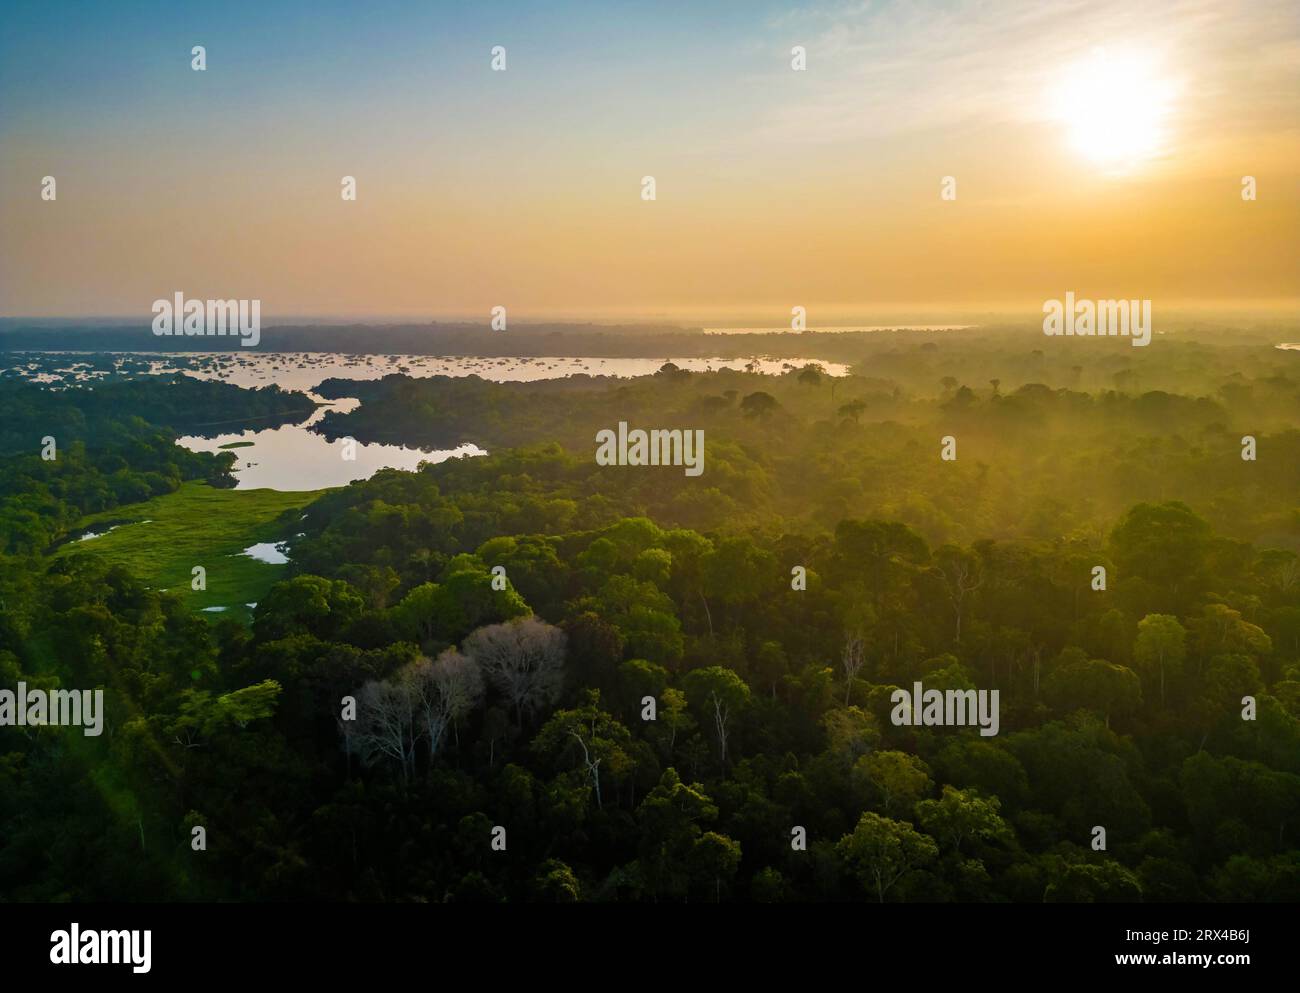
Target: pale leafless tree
(445, 691)
(524, 659)
(386, 722)
(961, 575)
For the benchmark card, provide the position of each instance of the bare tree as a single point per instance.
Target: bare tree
(445, 691)
(961, 575)
(1288, 574)
(852, 658)
(524, 659)
(386, 726)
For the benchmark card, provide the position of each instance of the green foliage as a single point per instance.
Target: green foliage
(962, 816)
(1120, 707)
(880, 851)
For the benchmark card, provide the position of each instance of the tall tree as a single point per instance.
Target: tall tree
(446, 690)
(590, 737)
(1161, 646)
(961, 816)
(524, 659)
(718, 694)
(881, 851)
(386, 723)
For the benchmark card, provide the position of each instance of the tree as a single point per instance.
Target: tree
(531, 564)
(589, 736)
(674, 716)
(1165, 544)
(386, 723)
(760, 405)
(851, 733)
(689, 551)
(1221, 629)
(878, 554)
(1243, 879)
(1093, 882)
(900, 779)
(714, 858)
(462, 601)
(524, 659)
(644, 615)
(446, 691)
(719, 694)
(670, 818)
(1095, 685)
(881, 851)
(851, 658)
(853, 409)
(961, 574)
(595, 648)
(1161, 645)
(962, 815)
(203, 715)
(638, 679)
(416, 615)
(737, 571)
(556, 883)
(249, 704)
(1228, 678)
(811, 375)
(307, 605)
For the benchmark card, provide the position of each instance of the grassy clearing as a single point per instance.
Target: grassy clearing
(199, 525)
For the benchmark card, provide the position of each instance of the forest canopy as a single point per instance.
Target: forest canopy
(654, 687)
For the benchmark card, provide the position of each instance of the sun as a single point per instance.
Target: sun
(1115, 106)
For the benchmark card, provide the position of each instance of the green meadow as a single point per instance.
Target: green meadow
(198, 525)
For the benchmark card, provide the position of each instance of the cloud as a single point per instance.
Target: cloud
(881, 69)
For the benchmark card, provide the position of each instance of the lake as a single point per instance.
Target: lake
(306, 370)
(292, 458)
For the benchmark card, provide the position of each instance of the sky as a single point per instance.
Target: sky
(1094, 146)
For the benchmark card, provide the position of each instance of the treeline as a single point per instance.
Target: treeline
(111, 412)
(79, 451)
(805, 450)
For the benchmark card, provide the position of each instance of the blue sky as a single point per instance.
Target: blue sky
(775, 186)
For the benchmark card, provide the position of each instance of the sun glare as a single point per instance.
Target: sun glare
(1115, 106)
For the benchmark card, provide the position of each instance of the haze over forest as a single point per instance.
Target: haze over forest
(459, 559)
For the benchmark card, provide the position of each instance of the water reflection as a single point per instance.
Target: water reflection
(292, 458)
